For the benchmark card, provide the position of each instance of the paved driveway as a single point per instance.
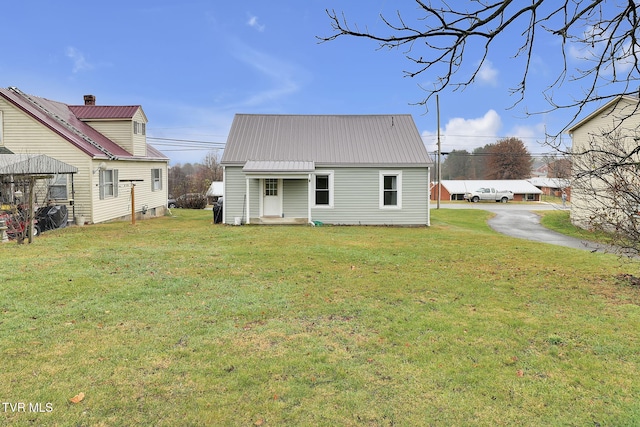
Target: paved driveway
(518, 220)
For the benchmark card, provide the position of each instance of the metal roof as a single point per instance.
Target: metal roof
(86, 112)
(60, 118)
(33, 164)
(373, 140)
(550, 182)
(517, 186)
(275, 166)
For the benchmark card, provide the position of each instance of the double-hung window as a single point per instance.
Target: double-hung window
(323, 189)
(108, 183)
(58, 187)
(156, 179)
(390, 189)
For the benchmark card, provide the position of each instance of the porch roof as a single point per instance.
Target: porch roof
(292, 166)
(33, 164)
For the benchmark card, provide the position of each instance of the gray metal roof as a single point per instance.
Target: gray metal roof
(364, 140)
(283, 166)
(33, 164)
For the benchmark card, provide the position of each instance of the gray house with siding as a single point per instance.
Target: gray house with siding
(333, 169)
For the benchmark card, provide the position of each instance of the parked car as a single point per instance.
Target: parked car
(171, 203)
(488, 194)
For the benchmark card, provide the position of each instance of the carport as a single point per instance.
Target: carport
(19, 174)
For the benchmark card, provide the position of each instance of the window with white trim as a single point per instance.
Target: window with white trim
(108, 183)
(323, 189)
(390, 189)
(139, 128)
(156, 179)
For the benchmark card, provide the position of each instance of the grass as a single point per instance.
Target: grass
(176, 321)
(560, 221)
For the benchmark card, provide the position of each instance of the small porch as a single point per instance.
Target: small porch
(278, 192)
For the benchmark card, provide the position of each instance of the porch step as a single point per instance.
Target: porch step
(276, 220)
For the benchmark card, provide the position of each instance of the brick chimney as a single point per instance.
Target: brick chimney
(89, 100)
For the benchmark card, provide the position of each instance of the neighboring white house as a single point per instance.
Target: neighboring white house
(215, 191)
(333, 169)
(107, 145)
(605, 158)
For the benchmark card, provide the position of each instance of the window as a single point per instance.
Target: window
(108, 183)
(323, 189)
(57, 188)
(139, 128)
(156, 179)
(390, 189)
(270, 187)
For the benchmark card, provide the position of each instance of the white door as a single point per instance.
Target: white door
(272, 197)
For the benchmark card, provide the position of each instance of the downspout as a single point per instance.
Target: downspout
(428, 197)
(224, 190)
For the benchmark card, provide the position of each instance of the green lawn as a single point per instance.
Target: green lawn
(179, 322)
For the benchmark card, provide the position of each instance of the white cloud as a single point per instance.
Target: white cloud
(284, 77)
(253, 23)
(488, 74)
(466, 134)
(78, 59)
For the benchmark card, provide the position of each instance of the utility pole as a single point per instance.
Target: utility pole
(438, 167)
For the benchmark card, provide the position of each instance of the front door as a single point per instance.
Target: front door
(272, 197)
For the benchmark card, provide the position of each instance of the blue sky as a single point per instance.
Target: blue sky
(192, 65)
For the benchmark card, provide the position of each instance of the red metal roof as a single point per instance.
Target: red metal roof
(62, 119)
(85, 112)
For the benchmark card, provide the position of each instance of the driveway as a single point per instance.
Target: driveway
(518, 220)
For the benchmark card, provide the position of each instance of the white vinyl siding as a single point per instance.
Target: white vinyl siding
(0, 127)
(582, 204)
(22, 134)
(122, 132)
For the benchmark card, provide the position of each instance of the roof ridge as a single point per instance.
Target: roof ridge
(63, 122)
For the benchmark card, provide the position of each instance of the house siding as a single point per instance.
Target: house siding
(582, 204)
(295, 197)
(235, 188)
(120, 207)
(121, 132)
(23, 134)
(357, 194)
(356, 197)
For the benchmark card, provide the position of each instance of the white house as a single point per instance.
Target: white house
(333, 169)
(107, 145)
(605, 147)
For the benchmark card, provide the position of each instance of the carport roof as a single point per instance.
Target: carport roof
(33, 164)
(517, 186)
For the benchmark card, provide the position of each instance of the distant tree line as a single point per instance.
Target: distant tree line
(507, 158)
(194, 177)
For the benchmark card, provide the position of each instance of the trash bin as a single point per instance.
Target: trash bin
(217, 214)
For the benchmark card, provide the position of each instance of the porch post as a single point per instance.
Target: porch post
(309, 191)
(246, 201)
